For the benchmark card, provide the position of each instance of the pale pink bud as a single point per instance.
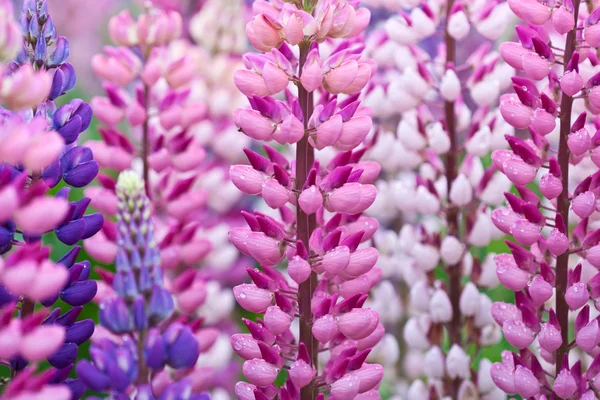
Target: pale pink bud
(250, 83)
(584, 204)
(526, 384)
(338, 79)
(346, 387)
(563, 20)
(509, 274)
(25, 88)
(369, 376)
(504, 219)
(10, 338)
(458, 25)
(513, 53)
(426, 256)
(113, 69)
(525, 232)
(514, 112)
(325, 328)
(461, 191)
(450, 85)
(458, 363)
(416, 330)
(360, 81)
(593, 256)
(531, 11)
(577, 295)
(294, 30)
(301, 373)
(245, 346)
(276, 80)
(277, 321)
(336, 260)
(539, 290)
(591, 35)
(247, 179)
(299, 269)
(565, 385)
(41, 215)
(469, 300)
(310, 200)
(192, 298)
(504, 377)
(594, 93)
(440, 307)
(419, 296)
(543, 122)
(253, 298)
(291, 130)
(550, 186)
(42, 342)
(275, 195)
(245, 391)
(579, 142)
(549, 338)
(518, 171)
(588, 337)
(263, 34)
(49, 280)
(433, 363)
(358, 323)
(351, 198)
(327, 133)
(43, 150)
(502, 312)
(254, 125)
(9, 202)
(354, 132)
(535, 66)
(517, 333)
(259, 372)
(571, 82)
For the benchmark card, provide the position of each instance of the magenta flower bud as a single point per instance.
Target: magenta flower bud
(254, 124)
(358, 323)
(504, 219)
(593, 256)
(310, 200)
(504, 377)
(518, 171)
(563, 20)
(369, 376)
(550, 186)
(325, 328)
(549, 338)
(276, 320)
(245, 391)
(267, 251)
(577, 295)
(588, 337)
(335, 261)
(275, 195)
(513, 53)
(499, 156)
(361, 262)
(502, 312)
(301, 373)
(509, 274)
(565, 385)
(351, 198)
(525, 232)
(571, 83)
(543, 122)
(531, 11)
(259, 372)
(584, 204)
(534, 65)
(252, 298)
(346, 387)
(579, 142)
(514, 112)
(557, 242)
(539, 290)
(591, 34)
(526, 384)
(247, 179)
(245, 346)
(517, 333)
(299, 269)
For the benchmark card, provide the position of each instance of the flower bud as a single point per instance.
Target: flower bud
(517, 333)
(458, 25)
(588, 337)
(259, 372)
(550, 186)
(451, 250)
(434, 363)
(579, 142)
(252, 298)
(450, 85)
(584, 204)
(358, 323)
(458, 363)
(539, 290)
(325, 328)
(440, 307)
(301, 373)
(549, 338)
(526, 384)
(277, 321)
(565, 385)
(461, 191)
(299, 269)
(577, 295)
(469, 300)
